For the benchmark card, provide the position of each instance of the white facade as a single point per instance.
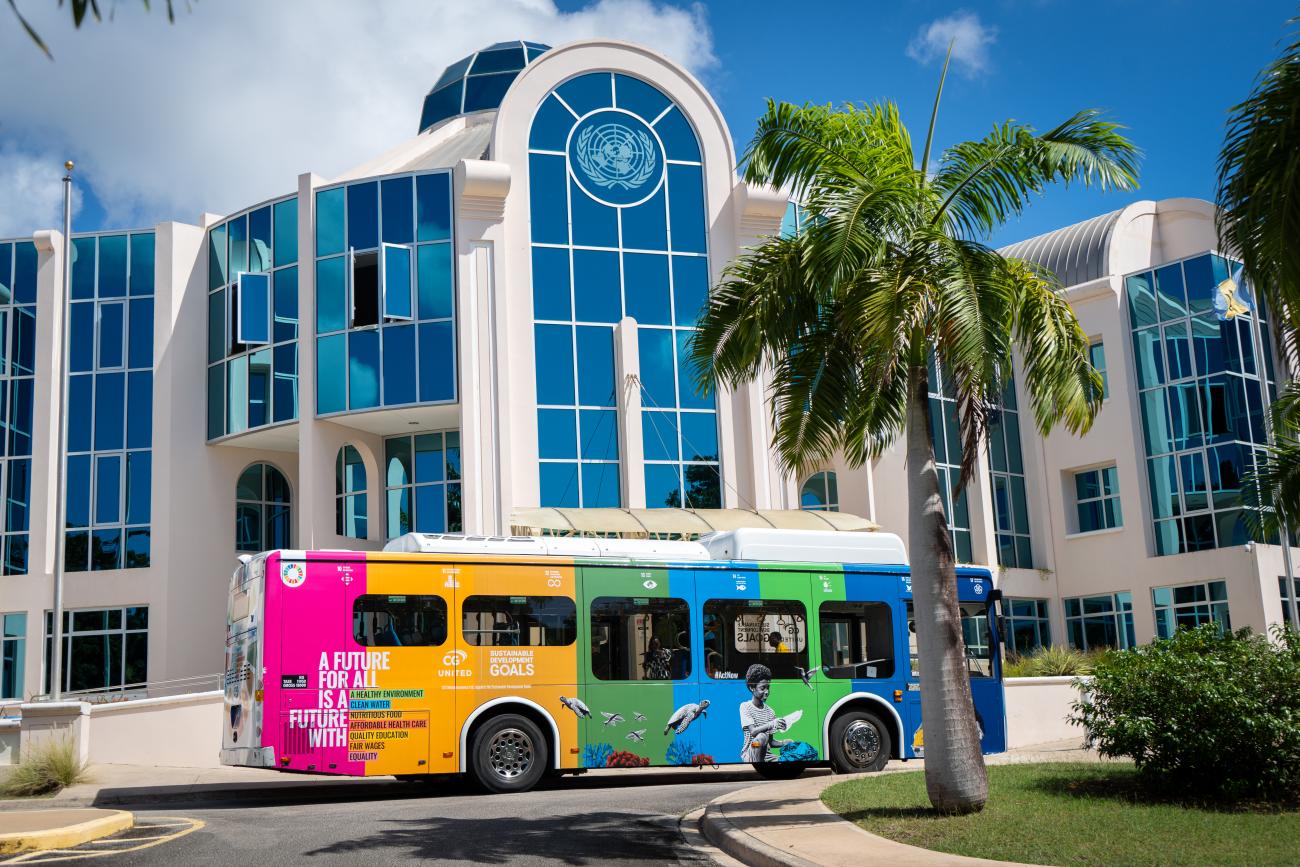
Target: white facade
(494, 406)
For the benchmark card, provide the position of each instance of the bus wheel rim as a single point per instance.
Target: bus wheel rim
(510, 753)
(861, 743)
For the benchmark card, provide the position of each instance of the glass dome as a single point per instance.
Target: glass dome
(477, 82)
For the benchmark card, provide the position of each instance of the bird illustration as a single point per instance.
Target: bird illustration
(611, 719)
(638, 735)
(685, 715)
(576, 706)
(805, 674)
(638, 716)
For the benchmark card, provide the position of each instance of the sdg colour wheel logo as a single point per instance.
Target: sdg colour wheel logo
(616, 158)
(292, 574)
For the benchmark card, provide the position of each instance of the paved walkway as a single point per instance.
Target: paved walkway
(787, 823)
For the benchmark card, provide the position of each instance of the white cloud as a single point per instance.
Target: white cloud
(969, 38)
(31, 191)
(227, 106)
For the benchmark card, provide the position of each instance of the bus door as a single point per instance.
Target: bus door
(857, 629)
(307, 601)
(757, 665)
(983, 667)
(401, 705)
(517, 637)
(639, 685)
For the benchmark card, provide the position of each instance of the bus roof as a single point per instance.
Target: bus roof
(753, 544)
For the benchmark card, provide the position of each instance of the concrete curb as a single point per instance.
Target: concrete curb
(742, 845)
(787, 825)
(64, 836)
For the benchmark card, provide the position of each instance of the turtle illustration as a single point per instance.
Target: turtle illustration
(576, 706)
(685, 715)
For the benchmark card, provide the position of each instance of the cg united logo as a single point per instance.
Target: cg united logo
(616, 158)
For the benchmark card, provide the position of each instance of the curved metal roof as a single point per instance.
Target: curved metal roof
(477, 82)
(1075, 254)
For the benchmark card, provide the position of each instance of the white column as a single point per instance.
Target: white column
(627, 379)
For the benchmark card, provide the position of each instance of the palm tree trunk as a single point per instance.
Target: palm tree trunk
(955, 778)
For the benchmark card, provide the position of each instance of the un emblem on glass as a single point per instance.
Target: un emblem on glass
(616, 158)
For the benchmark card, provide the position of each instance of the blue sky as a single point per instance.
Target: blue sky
(192, 117)
(1167, 69)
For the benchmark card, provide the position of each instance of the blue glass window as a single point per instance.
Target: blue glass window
(25, 273)
(110, 400)
(596, 290)
(142, 253)
(598, 432)
(433, 206)
(396, 279)
(678, 137)
(78, 508)
(546, 176)
(140, 334)
(216, 401)
(557, 434)
(285, 388)
(690, 288)
(399, 365)
(645, 226)
(486, 91)
(700, 436)
(81, 339)
(686, 208)
(350, 493)
(398, 214)
(285, 323)
(586, 93)
(331, 222)
(80, 408)
(112, 266)
(363, 216)
(83, 268)
(655, 348)
(112, 323)
(217, 257)
(554, 360)
(331, 373)
(238, 231)
(646, 289)
(559, 484)
(550, 130)
(259, 239)
(659, 436)
(551, 283)
(363, 369)
(286, 232)
(437, 362)
(139, 410)
(254, 308)
(108, 492)
(663, 486)
(639, 98)
(331, 295)
(435, 281)
(596, 366)
(593, 224)
(600, 488)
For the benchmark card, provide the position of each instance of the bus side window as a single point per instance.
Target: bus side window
(637, 638)
(857, 639)
(519, 621)
(399, 621)
(739, 633)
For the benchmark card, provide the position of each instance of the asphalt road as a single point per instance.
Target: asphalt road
(625, 818)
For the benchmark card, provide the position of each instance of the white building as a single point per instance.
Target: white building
(488, 320)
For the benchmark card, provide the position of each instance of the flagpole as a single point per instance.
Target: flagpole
(61, 440)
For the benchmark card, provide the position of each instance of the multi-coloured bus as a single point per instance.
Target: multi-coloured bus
(512, 658)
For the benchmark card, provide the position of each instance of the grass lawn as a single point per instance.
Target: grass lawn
(1068, 814)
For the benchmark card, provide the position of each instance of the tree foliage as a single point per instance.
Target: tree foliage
(1205, 712)
(1259, 182)
(79, 9)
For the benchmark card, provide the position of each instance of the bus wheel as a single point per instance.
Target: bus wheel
(509, 754)
(859, 742)
(779, 770)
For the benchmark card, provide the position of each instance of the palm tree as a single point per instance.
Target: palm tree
(1259, 184)
(1259, 217)
(844, 317)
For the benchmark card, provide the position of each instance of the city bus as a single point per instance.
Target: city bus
(508, 659)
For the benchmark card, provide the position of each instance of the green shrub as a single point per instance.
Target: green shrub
(1053, 661)
(1215, 715)
(46, 771)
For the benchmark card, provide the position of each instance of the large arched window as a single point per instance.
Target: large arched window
(263, 520)
(350, 493)
(619, 229)
(820, 493)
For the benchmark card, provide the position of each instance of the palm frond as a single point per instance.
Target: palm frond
(1259, 181)
(987, 181)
